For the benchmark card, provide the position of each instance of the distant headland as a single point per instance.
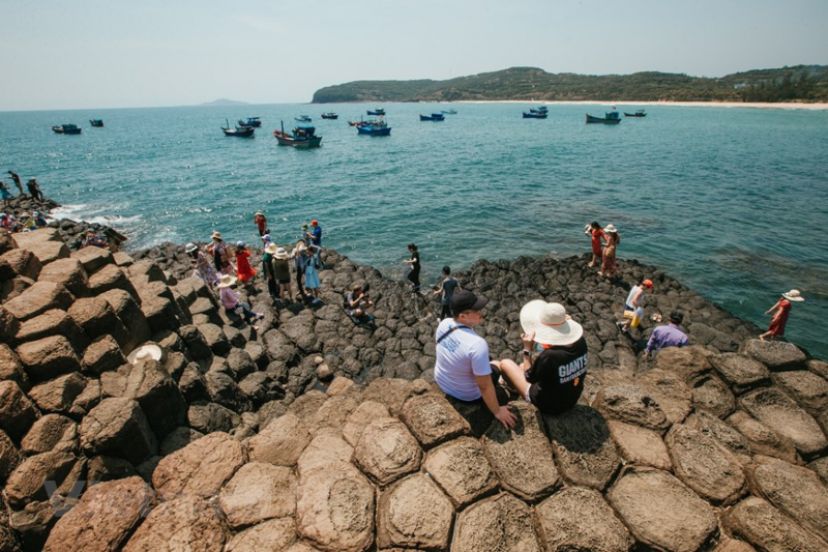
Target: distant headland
(224, 102)
(800, 83)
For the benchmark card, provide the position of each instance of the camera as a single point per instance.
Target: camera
(588, 230)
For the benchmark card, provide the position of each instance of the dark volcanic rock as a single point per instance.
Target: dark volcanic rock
(741, 372)
(776, 355)
(118, 426)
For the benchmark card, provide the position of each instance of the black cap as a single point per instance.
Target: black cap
(676, 317)
(465, 300)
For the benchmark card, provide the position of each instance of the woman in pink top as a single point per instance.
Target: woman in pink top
(230, 300)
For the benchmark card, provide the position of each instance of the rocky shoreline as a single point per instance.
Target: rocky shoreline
(313, 433)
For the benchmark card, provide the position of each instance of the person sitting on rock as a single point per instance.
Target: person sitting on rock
(554, 366)
(667, 336)
(634, 305)
(92, 238)
(462, 369)
(230, 300)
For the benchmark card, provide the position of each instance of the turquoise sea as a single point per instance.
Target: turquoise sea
(732, 201)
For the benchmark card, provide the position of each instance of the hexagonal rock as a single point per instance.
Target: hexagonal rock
(501, 523)
(92, 258)
(432, 419)
(44, 248)
(776, 355)
(10, 457)
(95, 316)
(57, 395)
(335, 509)
(276, 534)
(581, 441)
(580, 519)
(39, 298)
(460, 468)
(48, 357)
(118, 426)
(632, 403)
(661, 512)
(726, 544)
(17, 412)
(761, 438)
(27, 482)
(740, 372)
(103, 355)
(128, 311)
(387, 451)
(795, 490)
(392, 392)
(326, 450)
(107, 278)
(724, 433)
(414, 513)
(67, 272)
(51, 432)
(200, 468)
(104, 516)
(339, 385)
(767, 528)
(186, 523)
(780, 413)
(522, 457)
(710, 393)
(672, 394)
(364, 414)
(705, 465)
(215, 338)
(53, 322)
(159, 397)
(807, 388)
(688, 362)
(281, 442)
(639, 445)
(19, 262)
(10, 367)
(258, 492)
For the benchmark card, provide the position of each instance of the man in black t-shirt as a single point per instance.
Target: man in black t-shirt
(446, 289)
(554, 380)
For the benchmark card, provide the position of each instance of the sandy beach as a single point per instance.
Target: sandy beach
(759, 105)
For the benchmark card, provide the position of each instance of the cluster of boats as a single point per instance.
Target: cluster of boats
(613, 117)
(69, 128)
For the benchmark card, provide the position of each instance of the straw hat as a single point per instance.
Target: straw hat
(216, 235)
(190, 247)
(271, 248)
(793, 295)
(610, 229)
(145, 352)
(226, 281)
(551, 324)
(281, 253)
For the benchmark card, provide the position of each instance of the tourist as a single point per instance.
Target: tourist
(554, 380)
(312, 271)
(462, 369)
(221, 257)
(781, 309)
(357, 303)
(280, 266)
(34, 190)
(299, 261)
(230, 300)
(413, 274)
(94, 239)
(315, 234)
(39, 219)
(667, 336)
(244, 272)
(267, 269)
(5, 195)
(8, 222)
(608, 264)
(446, 290)
(261, 222)
(203, 268)
(634, 305)
(17, 182)
(596, 234)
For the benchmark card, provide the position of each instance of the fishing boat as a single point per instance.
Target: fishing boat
(250, 122)
(449, 112)
(302, 137)
(66, 129)
(609, 118)
(433, 117)
(541, 109)
(377, 112)
(330, 115)
(637, 113)
(239, 131)
(373, 128)
(303, 119)
(534, 115)
(96, 122)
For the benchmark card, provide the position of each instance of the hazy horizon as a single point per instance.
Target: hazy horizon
(59, 54)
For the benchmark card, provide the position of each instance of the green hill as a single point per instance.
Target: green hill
(797, 83)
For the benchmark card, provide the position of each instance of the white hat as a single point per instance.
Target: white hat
(145, 352)
(793, 295)
(549, 321)
(611, 229)
(226, 281)
(271, 248)
(190, 247)
(216, 235)
(281, 253)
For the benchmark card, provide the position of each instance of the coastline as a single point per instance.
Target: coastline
(817, 106)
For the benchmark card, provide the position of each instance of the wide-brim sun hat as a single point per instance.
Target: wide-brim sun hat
(190, 247)
(271, 248)
(551, 324)
(145, 352)
(216, 235)
(226, 281)
(794, 295)
(611, 229)
(240, 244)
(281, 253)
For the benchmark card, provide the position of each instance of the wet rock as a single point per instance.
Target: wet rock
(48, 357)
(781, 414)
(711, 394)
(386, 451)
(639, 445)
(522, 457)
(661, 512)
(118, 427)
(762, 439)
(461, 469)
(281, 442)
(67, 272)
(431, 418)
(102, 355)
(103, 518)
(17, 412)
(776, 355)
(764, 526)
(184, 523)
(808, 389)
(276, 534)
(741, 372)
(201, 468)
(53, 322)
(632, 403)
(414, 513)
(28, 481)
(580, 519)
(51, 432)
(258, 492)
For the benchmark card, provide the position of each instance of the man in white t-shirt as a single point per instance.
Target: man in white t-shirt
(462, 368)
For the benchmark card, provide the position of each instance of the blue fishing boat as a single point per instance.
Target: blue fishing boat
(238, 132)
(66, 129)
(303, 119)
(533, 115)
(302, 137)
(433, 117)
(373, 128)
(250, 122)
(609, 118)
(96, 123)
(541, 109)
(379, 112)
(330, 115)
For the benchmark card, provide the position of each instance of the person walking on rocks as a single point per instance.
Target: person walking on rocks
(34, 190)
(203, 268)
(267, 269)
(312, 271)
(244, 272)
(281, 271)
(781, 309)
(551, 375)
(596, 234)
(634, 305)
(461, 368)
(609, 266)
(221, 257)
(261, 222)
(299, 262)
(414, 267)
(667, 336)
(17, 182)
(446, 291)
(230, 300)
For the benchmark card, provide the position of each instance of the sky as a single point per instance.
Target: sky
(67, 54)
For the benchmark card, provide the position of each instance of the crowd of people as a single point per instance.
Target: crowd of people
(24, 223)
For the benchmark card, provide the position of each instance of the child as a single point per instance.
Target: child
(446, 288)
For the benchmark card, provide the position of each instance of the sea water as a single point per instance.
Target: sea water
(731, 201)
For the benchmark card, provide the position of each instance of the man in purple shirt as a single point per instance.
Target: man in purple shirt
(667, 336)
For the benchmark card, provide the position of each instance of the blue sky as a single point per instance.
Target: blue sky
(113, 53)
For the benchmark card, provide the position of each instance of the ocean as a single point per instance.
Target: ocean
(731, 201)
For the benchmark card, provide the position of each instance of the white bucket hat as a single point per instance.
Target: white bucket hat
(271, 248)
(610, 229)
(190, 247)
(551, 324)
(145, 352)
(793, 295)
(281, 253)
(227, 281)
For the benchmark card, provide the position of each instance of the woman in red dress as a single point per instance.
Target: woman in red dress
(595, 232)
(781, 309)
(244, 271)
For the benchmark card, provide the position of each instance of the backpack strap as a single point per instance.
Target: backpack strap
(445, 335)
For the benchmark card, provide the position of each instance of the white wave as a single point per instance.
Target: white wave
(94, 214)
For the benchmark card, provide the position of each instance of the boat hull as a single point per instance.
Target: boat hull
(96, 123)
(434, 118)
(286, 139)
(591, 119)
(378, 112)
(60, 129)
(243, 132)
(534, 115)
(372, 131)
(330, 116)
(634, 114)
